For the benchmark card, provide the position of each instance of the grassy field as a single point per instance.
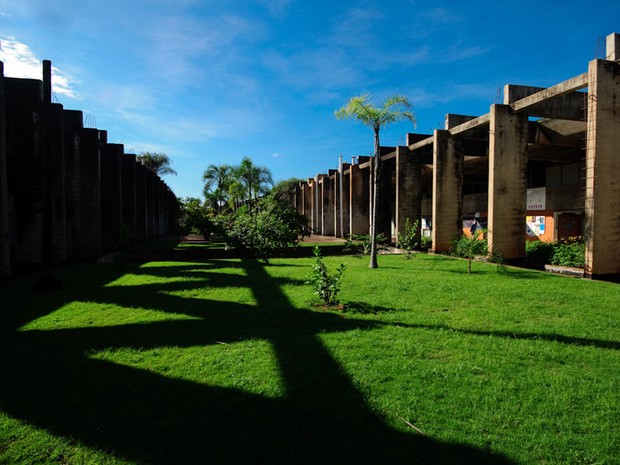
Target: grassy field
(228, 361)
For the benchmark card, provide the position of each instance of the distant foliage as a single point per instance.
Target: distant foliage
(194, 217)
(326, 286)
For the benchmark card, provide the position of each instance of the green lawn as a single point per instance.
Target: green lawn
(227, 361)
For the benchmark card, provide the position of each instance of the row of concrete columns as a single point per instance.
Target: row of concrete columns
(65, 192)
(503, 135)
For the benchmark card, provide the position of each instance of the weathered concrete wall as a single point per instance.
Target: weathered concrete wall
(359, 205)
(128, 191)
(327, 204)
(5, 245)
(55, 182)
(111, 200)
(603, 169)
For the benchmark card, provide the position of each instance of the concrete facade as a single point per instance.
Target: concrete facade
(65, 193)
(544, 165)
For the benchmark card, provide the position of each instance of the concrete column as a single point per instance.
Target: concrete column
(408, 188)
(307, 201)
(111, 203)
(359, 205)
(326, 199)
(602, 229)
(140, 202)
(508, 135)
(5, 246)
(346, 199)
(55, 155)
(128, 190)
(150, 205)
(447, 190)
(335, 188)
(385, 199)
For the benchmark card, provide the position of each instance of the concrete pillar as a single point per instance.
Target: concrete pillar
(150, 205)
(508, 136)
(140, 202)
(26, 168)
(447, 190)
(346, 198)
(408, 188)
(55, 160)
(326, 200)
(385, 199)
(111, 200)
(128, 190)
(307, 201)
(5, 246)
(335, 188)
(359, 205)
(602, 229)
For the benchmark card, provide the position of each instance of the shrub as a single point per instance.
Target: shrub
(570, 252)
(326, 286)
(409, 239)
(265, 226)
(194, 218)
(360, 243)
(426, 242)
(538, 252)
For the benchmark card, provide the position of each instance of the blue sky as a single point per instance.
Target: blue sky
(208, 82)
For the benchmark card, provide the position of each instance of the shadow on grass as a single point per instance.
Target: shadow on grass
(51, 383)
(601, 344)
(365, 308)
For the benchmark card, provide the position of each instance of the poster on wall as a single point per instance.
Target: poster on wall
(535, 226)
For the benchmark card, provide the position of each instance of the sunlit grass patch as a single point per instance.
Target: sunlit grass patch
(249, 365)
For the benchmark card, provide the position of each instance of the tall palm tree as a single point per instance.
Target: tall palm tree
(394, 109)
(255, 179)
(158, 163)
(217, 179)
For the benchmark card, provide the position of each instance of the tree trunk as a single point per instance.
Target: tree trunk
(375, 202)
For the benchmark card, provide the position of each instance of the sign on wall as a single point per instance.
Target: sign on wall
(537, 198)
(535, 225)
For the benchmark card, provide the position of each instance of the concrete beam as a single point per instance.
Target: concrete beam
(453, 120)
(447, 190)
(471, 125)
(602, 229)
(507, 181)
(528, 103)
(569, 106)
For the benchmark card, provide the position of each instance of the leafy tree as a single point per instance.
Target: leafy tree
(394, 109)
(326, 286)
(194, 218)
(158, 163)
(217, 179)
(284, 190)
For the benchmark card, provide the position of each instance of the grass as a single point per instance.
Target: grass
(227, 361)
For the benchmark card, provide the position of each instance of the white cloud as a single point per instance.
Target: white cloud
(21, 62)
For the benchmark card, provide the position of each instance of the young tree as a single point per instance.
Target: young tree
(217, 179)
(394, 109)
(158, 163)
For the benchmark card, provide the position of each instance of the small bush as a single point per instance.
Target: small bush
(360, 243)
(538, 252)
(409, 239)
(426, 242)
(570, 252)
(326, 286)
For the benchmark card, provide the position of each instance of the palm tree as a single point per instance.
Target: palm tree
(394, 109)
(255, 179)
(158, 163)
(217, 180)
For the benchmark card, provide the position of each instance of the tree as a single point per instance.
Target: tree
(218, 179)
(394, 109)
(285, 190)
(255, 179)
(158, 163)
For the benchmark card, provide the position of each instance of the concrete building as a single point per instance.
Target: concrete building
(543, 164)
(65, 192)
